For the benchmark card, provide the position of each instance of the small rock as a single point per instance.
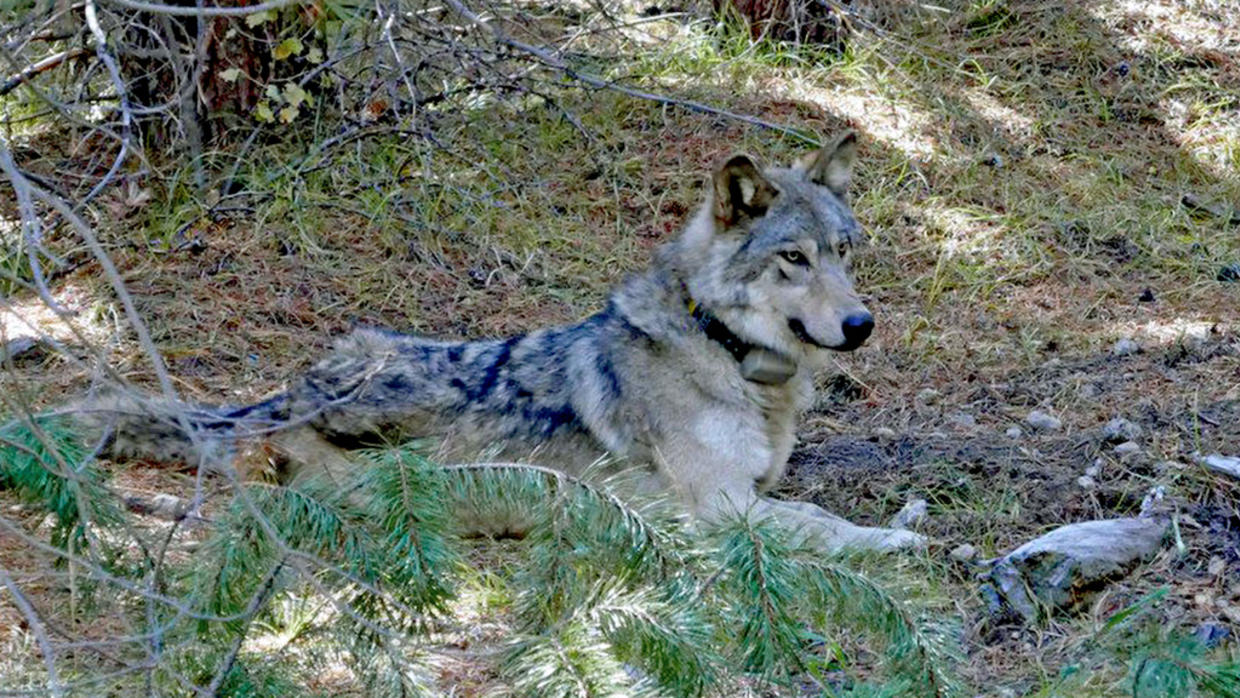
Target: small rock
(1154, 504)
(1094, 470)
(1014, 432)
(964, 553)
(927, 396)
(22, 348)
(1211, 635)
(911, 516)
(993, 160)
(1125, 347)
(884, 432)
(1147, 296)
(1086, 482)
(1227, 465)
(161, 506)
(1120, 429)
(1232, 611)
(1057, 569)
(1127, 448)
(1230, 273)
(1041, 420)
(963, 420)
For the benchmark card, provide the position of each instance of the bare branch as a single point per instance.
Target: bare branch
(592, 80)
(36, 627)
(178, 11)
(42, 66)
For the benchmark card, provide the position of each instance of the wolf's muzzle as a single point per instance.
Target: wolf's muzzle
(856, 329)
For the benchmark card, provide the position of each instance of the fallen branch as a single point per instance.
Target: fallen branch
(204, 11)
(42, 66)
(595, 81)
(1196, 205)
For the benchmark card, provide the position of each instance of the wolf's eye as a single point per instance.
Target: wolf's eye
(795, 257)
(842, 248)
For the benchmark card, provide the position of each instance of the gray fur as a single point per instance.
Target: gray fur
(641, 381)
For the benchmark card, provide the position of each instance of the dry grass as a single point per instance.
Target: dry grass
(1022, 170)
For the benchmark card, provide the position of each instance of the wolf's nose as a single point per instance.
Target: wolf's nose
(857, 328)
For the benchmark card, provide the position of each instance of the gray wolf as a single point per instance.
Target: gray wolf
(693, 374)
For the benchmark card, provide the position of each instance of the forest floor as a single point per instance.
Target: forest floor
(1022, 175)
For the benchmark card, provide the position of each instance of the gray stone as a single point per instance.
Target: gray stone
(1120, 429)
(161, 506)
(1086, 482)
(964, 553)
(884, 432)
(1227, 465)
(911, 516)
(1125, 347)
(21, 348)
(1014, 432)
(964, 420)
(1155, 505)
(1216, 567)
(1127, 448)
(1057, 569)
(1041, 420)
(1211, 635)
(1096, 469)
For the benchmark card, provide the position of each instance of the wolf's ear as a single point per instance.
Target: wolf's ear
(740, 190)
(831, 167)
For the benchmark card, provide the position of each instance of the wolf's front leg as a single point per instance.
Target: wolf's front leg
(717, 466)
(831, 532)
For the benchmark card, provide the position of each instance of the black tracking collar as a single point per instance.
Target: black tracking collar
(719, 332)
(757, 364)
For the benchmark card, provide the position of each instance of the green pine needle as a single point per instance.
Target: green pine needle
(44, 463)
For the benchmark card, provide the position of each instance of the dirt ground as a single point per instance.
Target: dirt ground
(1023, 193)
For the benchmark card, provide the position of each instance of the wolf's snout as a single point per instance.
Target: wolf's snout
(857, 328)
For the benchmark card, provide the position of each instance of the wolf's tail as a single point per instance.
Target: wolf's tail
(205, 436)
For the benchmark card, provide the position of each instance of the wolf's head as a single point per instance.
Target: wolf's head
(769, 254)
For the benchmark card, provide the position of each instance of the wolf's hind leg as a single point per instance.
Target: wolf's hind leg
(306, 453)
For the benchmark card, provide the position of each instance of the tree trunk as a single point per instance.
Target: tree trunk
(797, 21)
(209, 74)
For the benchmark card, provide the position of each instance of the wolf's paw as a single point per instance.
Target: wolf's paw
(878, 539)
(899, 539)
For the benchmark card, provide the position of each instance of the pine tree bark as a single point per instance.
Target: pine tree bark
(797, 21)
